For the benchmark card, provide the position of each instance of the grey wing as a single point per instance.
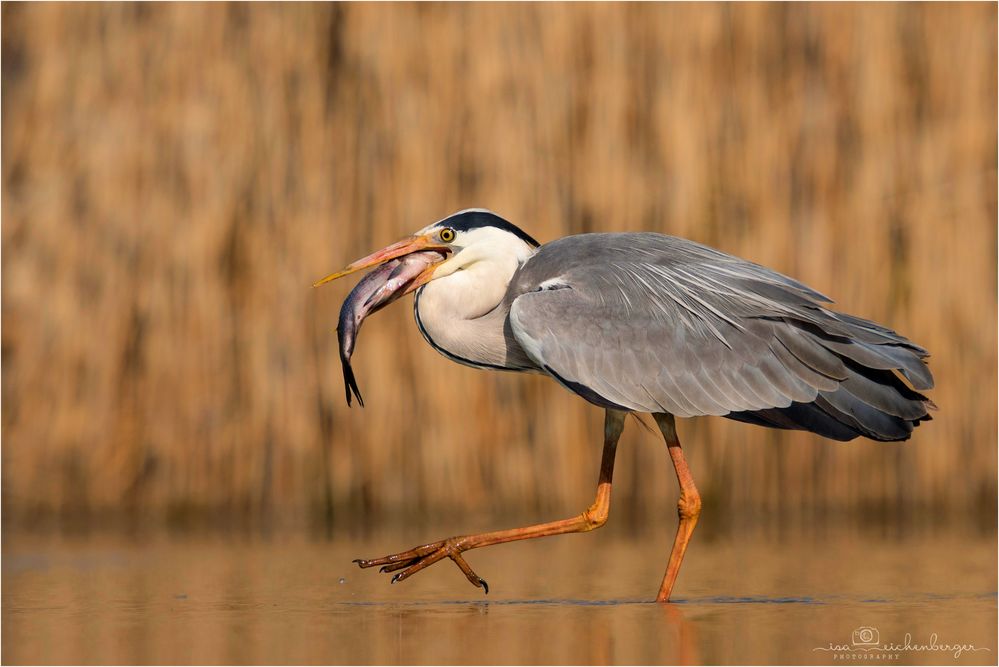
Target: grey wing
(653, 323)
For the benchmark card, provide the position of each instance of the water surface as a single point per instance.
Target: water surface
(574, 599)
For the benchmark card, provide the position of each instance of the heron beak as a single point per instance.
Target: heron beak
(425, 277)
(406, 246)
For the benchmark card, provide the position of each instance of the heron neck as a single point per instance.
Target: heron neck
(463, 316)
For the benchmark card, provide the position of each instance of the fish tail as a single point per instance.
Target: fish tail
(350, 384)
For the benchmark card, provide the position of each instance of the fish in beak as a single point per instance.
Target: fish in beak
(399, 269)
(401, 248)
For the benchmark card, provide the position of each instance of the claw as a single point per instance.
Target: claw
(485, 586)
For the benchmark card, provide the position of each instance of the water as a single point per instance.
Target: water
(574, 599)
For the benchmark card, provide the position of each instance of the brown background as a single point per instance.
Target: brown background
(175, 176)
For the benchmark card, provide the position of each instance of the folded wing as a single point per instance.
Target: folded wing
(654, 323)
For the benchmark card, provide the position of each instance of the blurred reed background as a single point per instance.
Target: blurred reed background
(176, 175)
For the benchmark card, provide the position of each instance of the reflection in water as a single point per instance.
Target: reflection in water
(564, 600)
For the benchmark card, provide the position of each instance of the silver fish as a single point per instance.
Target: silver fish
(377, 289)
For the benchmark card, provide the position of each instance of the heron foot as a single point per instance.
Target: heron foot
(408, 563)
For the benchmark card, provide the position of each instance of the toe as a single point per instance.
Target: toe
(392, 567)
(422, 563)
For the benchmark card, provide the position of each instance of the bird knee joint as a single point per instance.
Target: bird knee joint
(689, 506)
(595, 517)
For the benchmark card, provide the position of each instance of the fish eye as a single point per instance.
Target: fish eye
(447, 235)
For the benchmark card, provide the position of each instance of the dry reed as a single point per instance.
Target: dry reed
(176, 175)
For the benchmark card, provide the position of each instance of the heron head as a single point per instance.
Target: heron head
(462, 239)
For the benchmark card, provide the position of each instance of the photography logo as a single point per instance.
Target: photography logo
(865, 645)
(866, 636)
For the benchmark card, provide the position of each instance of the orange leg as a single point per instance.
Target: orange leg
(412, 561)
(689, 506)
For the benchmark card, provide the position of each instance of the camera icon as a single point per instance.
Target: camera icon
(865, 635)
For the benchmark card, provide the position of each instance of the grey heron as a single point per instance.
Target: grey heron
(648, 323)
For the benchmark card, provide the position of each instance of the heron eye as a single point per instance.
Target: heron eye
(447, 235)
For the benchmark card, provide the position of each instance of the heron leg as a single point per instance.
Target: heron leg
(689, 506)
(408, 563)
